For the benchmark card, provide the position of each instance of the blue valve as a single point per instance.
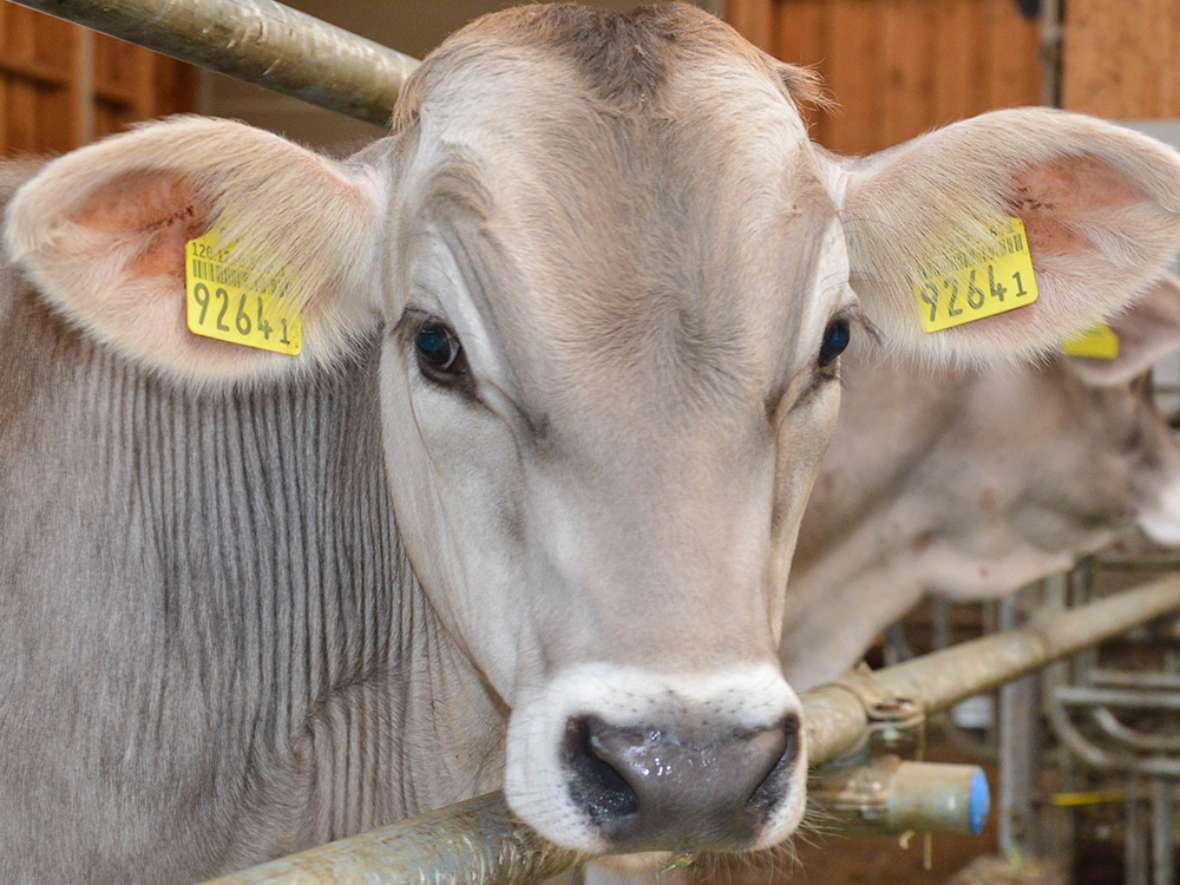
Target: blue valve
(979, 802)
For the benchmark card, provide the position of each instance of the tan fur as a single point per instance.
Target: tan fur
(1100, 203)
(108, 249)
(625, 59)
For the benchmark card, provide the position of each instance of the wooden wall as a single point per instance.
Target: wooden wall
(1122, 58)
(62, 86)
(899, 67)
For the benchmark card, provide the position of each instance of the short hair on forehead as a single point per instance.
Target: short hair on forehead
(624, 58)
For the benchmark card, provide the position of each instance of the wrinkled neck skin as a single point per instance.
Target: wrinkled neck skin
(928, 487)
(205, 604)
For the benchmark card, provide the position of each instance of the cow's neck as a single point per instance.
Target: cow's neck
(839, 596)
(226, 576)
(890, 520)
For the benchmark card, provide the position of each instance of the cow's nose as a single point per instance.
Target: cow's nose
(653, 788)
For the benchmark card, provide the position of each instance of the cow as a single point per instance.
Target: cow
(969, 485)
(520, 512)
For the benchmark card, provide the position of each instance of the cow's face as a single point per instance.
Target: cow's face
(614, 277)
(1113, 464)
(1127, 444)
(596, 431)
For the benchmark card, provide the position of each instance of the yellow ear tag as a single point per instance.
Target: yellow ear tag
(1098, 343)
(222, 301)
(995, 278)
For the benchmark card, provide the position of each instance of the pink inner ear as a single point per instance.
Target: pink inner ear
(1048, 196)
(160, 207)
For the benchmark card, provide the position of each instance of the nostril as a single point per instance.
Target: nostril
(771, 788)
(595, 784)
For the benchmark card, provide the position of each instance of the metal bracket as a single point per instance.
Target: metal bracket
(893, 720)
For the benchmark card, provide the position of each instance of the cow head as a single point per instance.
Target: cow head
(1129, 421)
(615, 278)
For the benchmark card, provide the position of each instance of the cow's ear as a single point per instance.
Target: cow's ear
(1100, 205)
(1147, 332)
(101, 234)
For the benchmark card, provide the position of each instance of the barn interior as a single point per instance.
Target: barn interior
(1082, 754)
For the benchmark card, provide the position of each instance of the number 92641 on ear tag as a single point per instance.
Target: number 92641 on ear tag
(225, 301)
(994, 278)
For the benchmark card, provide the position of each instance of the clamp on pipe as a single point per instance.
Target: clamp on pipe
(892, 721)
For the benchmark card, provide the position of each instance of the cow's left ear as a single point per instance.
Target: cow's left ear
(101, 234)
(1147, 332)
(1100, 205)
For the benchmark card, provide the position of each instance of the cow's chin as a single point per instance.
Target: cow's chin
(746, 706)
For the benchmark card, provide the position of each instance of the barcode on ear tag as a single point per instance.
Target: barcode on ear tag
(224, 301)
(1098, 343)
(994, 278)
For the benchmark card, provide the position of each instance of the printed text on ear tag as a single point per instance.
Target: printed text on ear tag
(1098, 343)
(224, 301)
(994, 278)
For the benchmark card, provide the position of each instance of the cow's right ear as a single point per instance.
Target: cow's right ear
(1148, 331)
(101, 233)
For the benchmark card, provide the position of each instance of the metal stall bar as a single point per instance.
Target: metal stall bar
(259, 41)
(479, 841)
(835, 716)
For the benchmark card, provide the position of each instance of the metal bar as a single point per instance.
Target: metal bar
(1161, 832)
(1019, 710)
(1135, 862)
(1100, 759)
(259, 41)
(1127, 698)
(1131, 737)
(1104, 678)
(836, 717)
(479, 841)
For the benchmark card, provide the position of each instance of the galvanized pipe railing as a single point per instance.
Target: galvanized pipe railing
(481, 842)
(259, 41)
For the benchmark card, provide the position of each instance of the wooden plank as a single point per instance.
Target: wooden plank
(104, 119)
(1172, 92)
(103, 78)
(801, 31)
(176, 86)
(22, 93)
(36, 71)
(980, 54)
(854, 127)
(956, 46)
(55, 130)
(1098, 63)
(1014, 67)
(4, 80)
(754, 20)
(53, 41)
(908, 29)
(55, 48)
(146, 103)
(82, 89)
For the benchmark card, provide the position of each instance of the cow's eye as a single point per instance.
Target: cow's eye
(836, 338)
(439, 350)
